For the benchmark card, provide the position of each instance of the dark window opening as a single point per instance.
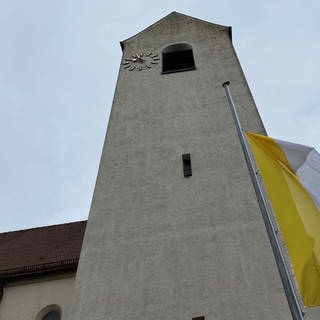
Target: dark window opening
(177, 57)
(199, 318)
(52, 315)
(186, 160)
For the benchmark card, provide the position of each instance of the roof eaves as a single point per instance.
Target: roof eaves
(39, 268)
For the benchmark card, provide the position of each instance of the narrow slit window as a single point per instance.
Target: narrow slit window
(186, 160)
(177, 57)
(199, 318)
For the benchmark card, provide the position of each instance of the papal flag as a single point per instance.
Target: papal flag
(291, 175)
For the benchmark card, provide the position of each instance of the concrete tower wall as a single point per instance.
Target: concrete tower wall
(159, 245)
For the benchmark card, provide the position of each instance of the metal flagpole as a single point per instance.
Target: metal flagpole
(292, 298)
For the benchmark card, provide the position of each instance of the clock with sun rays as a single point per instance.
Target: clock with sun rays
(142, 60)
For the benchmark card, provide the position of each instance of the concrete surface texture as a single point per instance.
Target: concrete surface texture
(159, 245)
(28, 299)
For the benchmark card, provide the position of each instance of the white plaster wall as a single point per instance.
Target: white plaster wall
(157, 245)
(23, 300)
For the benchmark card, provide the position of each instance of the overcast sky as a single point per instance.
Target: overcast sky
(58, 67)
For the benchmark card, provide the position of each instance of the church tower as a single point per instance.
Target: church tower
(175, 231)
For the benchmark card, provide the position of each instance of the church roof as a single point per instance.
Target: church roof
(39, 250)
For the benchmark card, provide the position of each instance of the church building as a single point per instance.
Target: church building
(174, 230)
(37, 271)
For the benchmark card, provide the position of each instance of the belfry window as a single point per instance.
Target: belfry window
(177, 57)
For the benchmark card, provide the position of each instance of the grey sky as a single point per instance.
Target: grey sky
(58, 67)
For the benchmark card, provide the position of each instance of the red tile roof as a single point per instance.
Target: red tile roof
(36, 250)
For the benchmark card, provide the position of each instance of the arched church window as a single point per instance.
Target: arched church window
(177, 57)
(52, 315)
(50, 312)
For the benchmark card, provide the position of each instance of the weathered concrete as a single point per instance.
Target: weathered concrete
(25, 299)
(158, 245)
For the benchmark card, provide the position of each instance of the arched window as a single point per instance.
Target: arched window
(50, 312)
(177, 57)
(52, 315)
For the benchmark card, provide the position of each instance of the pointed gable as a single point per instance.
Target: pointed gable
(175, 23)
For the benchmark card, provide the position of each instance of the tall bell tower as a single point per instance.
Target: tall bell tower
(175, 231)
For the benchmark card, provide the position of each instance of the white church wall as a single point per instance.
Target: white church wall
(25, 299)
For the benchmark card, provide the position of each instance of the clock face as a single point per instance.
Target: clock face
(141, 60)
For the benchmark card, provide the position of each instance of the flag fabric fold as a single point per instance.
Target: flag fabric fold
(291, 175)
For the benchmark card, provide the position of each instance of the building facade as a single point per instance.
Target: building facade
(175, 231)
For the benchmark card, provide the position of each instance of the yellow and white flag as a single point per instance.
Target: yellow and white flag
(291, 174)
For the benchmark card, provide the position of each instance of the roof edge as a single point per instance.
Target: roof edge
(39, 268)
(41, 227)
(122, 43)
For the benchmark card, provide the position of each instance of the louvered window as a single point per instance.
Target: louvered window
(177, 57)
